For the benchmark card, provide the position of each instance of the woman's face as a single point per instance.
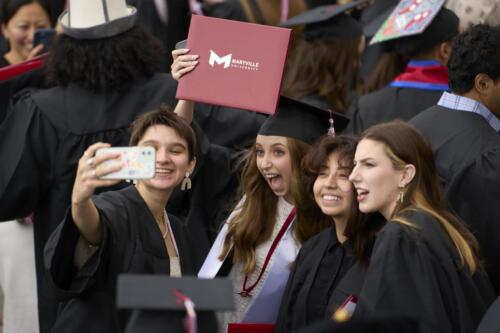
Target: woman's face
(21, 27)
(332, 189)
(375, 179)
(172, 157)
(274, 163)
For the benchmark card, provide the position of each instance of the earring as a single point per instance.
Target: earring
(186, 183)
(401, 197)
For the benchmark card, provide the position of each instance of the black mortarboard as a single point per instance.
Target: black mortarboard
(302, 121)
(148, 295)
(328, 22)
(415, 26)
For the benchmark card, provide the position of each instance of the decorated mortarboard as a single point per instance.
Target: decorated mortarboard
(376, 14)
(417, 25)
(328, 22)
(302, 121)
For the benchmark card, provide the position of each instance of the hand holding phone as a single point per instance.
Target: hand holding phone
(45, 37)
(138, 162)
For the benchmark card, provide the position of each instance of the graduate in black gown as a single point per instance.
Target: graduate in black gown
(326, 260)
(323, 68)
(100, 85)
(125, 231)
(463, 130)
(425, 263)
(422, 82)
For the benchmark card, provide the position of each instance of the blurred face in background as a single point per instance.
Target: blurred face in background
(19, 30)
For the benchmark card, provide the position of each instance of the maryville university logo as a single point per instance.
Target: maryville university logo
(228, 61)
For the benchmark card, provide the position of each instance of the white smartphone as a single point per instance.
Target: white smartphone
(138, 162)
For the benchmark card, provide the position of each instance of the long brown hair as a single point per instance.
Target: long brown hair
(405, 145)
(389, 65)
(360, 228)
(326, 68)
(254, 223)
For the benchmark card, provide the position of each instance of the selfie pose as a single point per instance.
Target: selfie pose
(425, 263)
(124, 231)
(98, 90)
(20, 19)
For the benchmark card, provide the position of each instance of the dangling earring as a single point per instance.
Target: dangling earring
(186, 183)
(401, 197)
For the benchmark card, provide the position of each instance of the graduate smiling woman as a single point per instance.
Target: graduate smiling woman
(129, 230)
(425, 262)
(264, 232)
(330, 265)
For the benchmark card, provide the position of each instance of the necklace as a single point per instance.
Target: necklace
(163, 221)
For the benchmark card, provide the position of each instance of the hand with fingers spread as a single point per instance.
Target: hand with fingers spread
(183, 63)
(90, 169)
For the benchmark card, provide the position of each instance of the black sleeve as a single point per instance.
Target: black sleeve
(65, 280)
(28, 145)
(401, 280)
(474, 194)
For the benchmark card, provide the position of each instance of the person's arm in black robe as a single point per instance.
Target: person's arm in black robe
(474, 194)
(28, 144)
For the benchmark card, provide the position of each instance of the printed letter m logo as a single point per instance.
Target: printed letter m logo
(214, 58)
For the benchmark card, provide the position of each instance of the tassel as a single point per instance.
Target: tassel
(186, 183)
(331, 129)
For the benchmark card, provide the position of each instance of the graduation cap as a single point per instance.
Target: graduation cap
(143, 293)
(328, 22)
(303, 121)
(376, 14)
(417, 25)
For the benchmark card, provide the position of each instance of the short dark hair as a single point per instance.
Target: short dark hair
(163, 116)
(475, 51)
(104, 64)
(9, 8)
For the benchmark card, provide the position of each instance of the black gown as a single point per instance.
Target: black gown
(132, 243)
(41, 141)
(321, 264)
(388, 104)
(414, 272)
(467, 154)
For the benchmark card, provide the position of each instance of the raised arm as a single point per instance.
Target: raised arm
(83, 210)
(183, 63)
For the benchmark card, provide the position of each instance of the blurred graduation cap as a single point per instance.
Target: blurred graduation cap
(328, 22)
(303, 121)
(143, 293)
(376, 14)
(417, 25)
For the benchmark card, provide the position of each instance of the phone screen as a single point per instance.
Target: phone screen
(45, 37)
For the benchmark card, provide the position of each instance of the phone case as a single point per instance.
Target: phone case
(138, 162)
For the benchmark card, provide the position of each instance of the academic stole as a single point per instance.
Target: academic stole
(423, 74)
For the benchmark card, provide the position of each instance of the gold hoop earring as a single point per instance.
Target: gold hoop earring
(186, 183)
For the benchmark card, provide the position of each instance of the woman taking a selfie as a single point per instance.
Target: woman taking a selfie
(20, 19)
(425, 263)
(124, 231)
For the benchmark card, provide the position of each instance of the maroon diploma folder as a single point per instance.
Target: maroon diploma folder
(240, 65)
(21, 68)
